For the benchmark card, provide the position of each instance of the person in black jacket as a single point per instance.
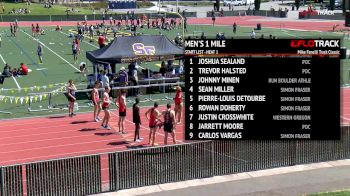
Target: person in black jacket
(136, 119)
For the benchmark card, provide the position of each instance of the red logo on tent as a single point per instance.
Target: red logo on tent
(141, 49)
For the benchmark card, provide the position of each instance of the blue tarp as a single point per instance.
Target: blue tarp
(122, 4)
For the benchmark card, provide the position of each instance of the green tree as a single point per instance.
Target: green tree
(257, 4)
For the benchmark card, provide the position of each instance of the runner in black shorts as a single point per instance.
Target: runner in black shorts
(136, 119)
(122, 114)
(169, 123)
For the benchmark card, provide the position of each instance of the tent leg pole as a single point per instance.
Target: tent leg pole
(149, 83)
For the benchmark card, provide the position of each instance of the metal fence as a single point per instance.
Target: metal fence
(11, 181)
(74, 176)
(151, 166)
(156, 165)
(267, 13)
(89, 17)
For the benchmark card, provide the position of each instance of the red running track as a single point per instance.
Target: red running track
(345, 107)
(248, 21)
(252, 21)
(35, 139)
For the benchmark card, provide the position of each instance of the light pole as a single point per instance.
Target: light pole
(177, 4)
(182, 22)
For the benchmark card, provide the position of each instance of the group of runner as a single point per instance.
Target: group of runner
(13, 29)
(36, 31)
(153, 115)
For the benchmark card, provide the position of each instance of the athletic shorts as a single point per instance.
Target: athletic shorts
(168, 128)
(71, 99)
(122, 114)
(152, 126)
(105, 107)
(74, 51)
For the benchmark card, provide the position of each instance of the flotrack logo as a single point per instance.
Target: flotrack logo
(325, 12)
(314, 43)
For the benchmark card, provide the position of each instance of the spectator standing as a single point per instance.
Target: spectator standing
(163, 69)
(75, 51)
(7, 70)
(213, 17)
(101, 41)
(134, 78)
(123, 77)
(40, 53)
(252, 34)
(91, 32)
(104, 80)
(234, 27)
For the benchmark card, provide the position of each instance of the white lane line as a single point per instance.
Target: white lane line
(39, 69)
(14, 79)
(47, 139)
(43, 119)
(93, 45)
(56, 132)
(58, 146)
(67, 155)
(285, 32)
(52, 51)
(2, 58)
(345, 118)
(146, 128)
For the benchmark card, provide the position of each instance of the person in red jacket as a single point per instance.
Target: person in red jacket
(101, 41)
(23, 70)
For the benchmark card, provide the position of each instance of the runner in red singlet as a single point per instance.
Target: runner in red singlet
(105, 106)
(95, 97)
(122, 111)
(153, 120)
(178, 104)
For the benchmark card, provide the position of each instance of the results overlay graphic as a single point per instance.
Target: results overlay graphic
(262, 89)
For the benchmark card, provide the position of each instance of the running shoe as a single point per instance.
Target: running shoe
(107, 127)
(98, 118)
